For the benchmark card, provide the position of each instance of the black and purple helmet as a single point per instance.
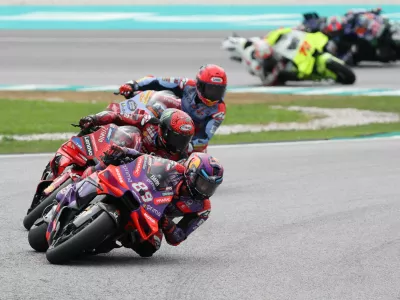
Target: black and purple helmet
(204, 173)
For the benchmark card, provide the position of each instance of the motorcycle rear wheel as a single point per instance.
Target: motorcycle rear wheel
(88, 238)
(37, 212)
(345, 74)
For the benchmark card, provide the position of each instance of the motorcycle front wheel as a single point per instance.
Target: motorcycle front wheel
(37, 212)
(37, 237)
(87, 238)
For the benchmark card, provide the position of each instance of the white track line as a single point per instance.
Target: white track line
(255, 145)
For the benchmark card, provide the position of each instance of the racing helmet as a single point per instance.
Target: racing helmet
(333, 25)
(203, 174)
(211, 82)
(262, 50)
(176, 130)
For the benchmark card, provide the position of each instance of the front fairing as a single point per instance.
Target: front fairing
(148, 186)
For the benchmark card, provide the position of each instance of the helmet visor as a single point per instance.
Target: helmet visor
(206, 185)
(177, 142)
(213, 92)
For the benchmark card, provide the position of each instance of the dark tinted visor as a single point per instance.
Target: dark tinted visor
(177, 142)
(214, 92)
(206, 185)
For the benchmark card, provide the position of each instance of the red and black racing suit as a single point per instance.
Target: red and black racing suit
(149, 129)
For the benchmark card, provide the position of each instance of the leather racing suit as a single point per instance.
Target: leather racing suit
(274, 70)
(193, 212)
(207, 119)
(149, 132)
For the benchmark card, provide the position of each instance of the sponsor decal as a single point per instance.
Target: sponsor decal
(216, 79)
(219, 116)
(162, 200)
(153, 210)
(213, 129)
(126, 172)
(123, 107)
(109, 134)
(102, 135)
(138, 167)
(88, 145)
(145, 96)
(186, 127)
(198, 224)
(120, 179)
(155, 180)
(149, 218)
(77, 141)
(49, 189)
(132, 105)
(167, 193)
(150, 182)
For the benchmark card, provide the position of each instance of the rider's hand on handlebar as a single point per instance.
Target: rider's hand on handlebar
(86, 122)
(128, 89)
(116, 152)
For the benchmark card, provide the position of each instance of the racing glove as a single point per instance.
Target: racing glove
(173, 234)
(114, 153)
(87, 122)
(128, 89)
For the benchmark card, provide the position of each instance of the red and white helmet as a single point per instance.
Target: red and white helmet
(211, 84)
(262, 50)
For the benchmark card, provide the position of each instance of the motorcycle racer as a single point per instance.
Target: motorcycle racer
(167, 137)
(202, 99)
(262, 57)
(356, 30)
(192, 181)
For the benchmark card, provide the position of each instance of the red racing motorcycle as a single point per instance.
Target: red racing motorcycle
(72, 159)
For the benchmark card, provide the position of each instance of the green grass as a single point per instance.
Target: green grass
(10, 146)
(260, 114)
(340, 132)
(24, 117)
(385, 104)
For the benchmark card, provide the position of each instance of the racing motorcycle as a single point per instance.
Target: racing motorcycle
(72, 159)
(130, 199)
(353, 44)
(303, 51)
(150, 102)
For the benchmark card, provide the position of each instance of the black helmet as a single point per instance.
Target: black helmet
(176, 129)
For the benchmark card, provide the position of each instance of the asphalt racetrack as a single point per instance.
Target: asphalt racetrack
(291, 221)
(114, 57)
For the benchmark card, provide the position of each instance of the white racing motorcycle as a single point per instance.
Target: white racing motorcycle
(305, 55)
